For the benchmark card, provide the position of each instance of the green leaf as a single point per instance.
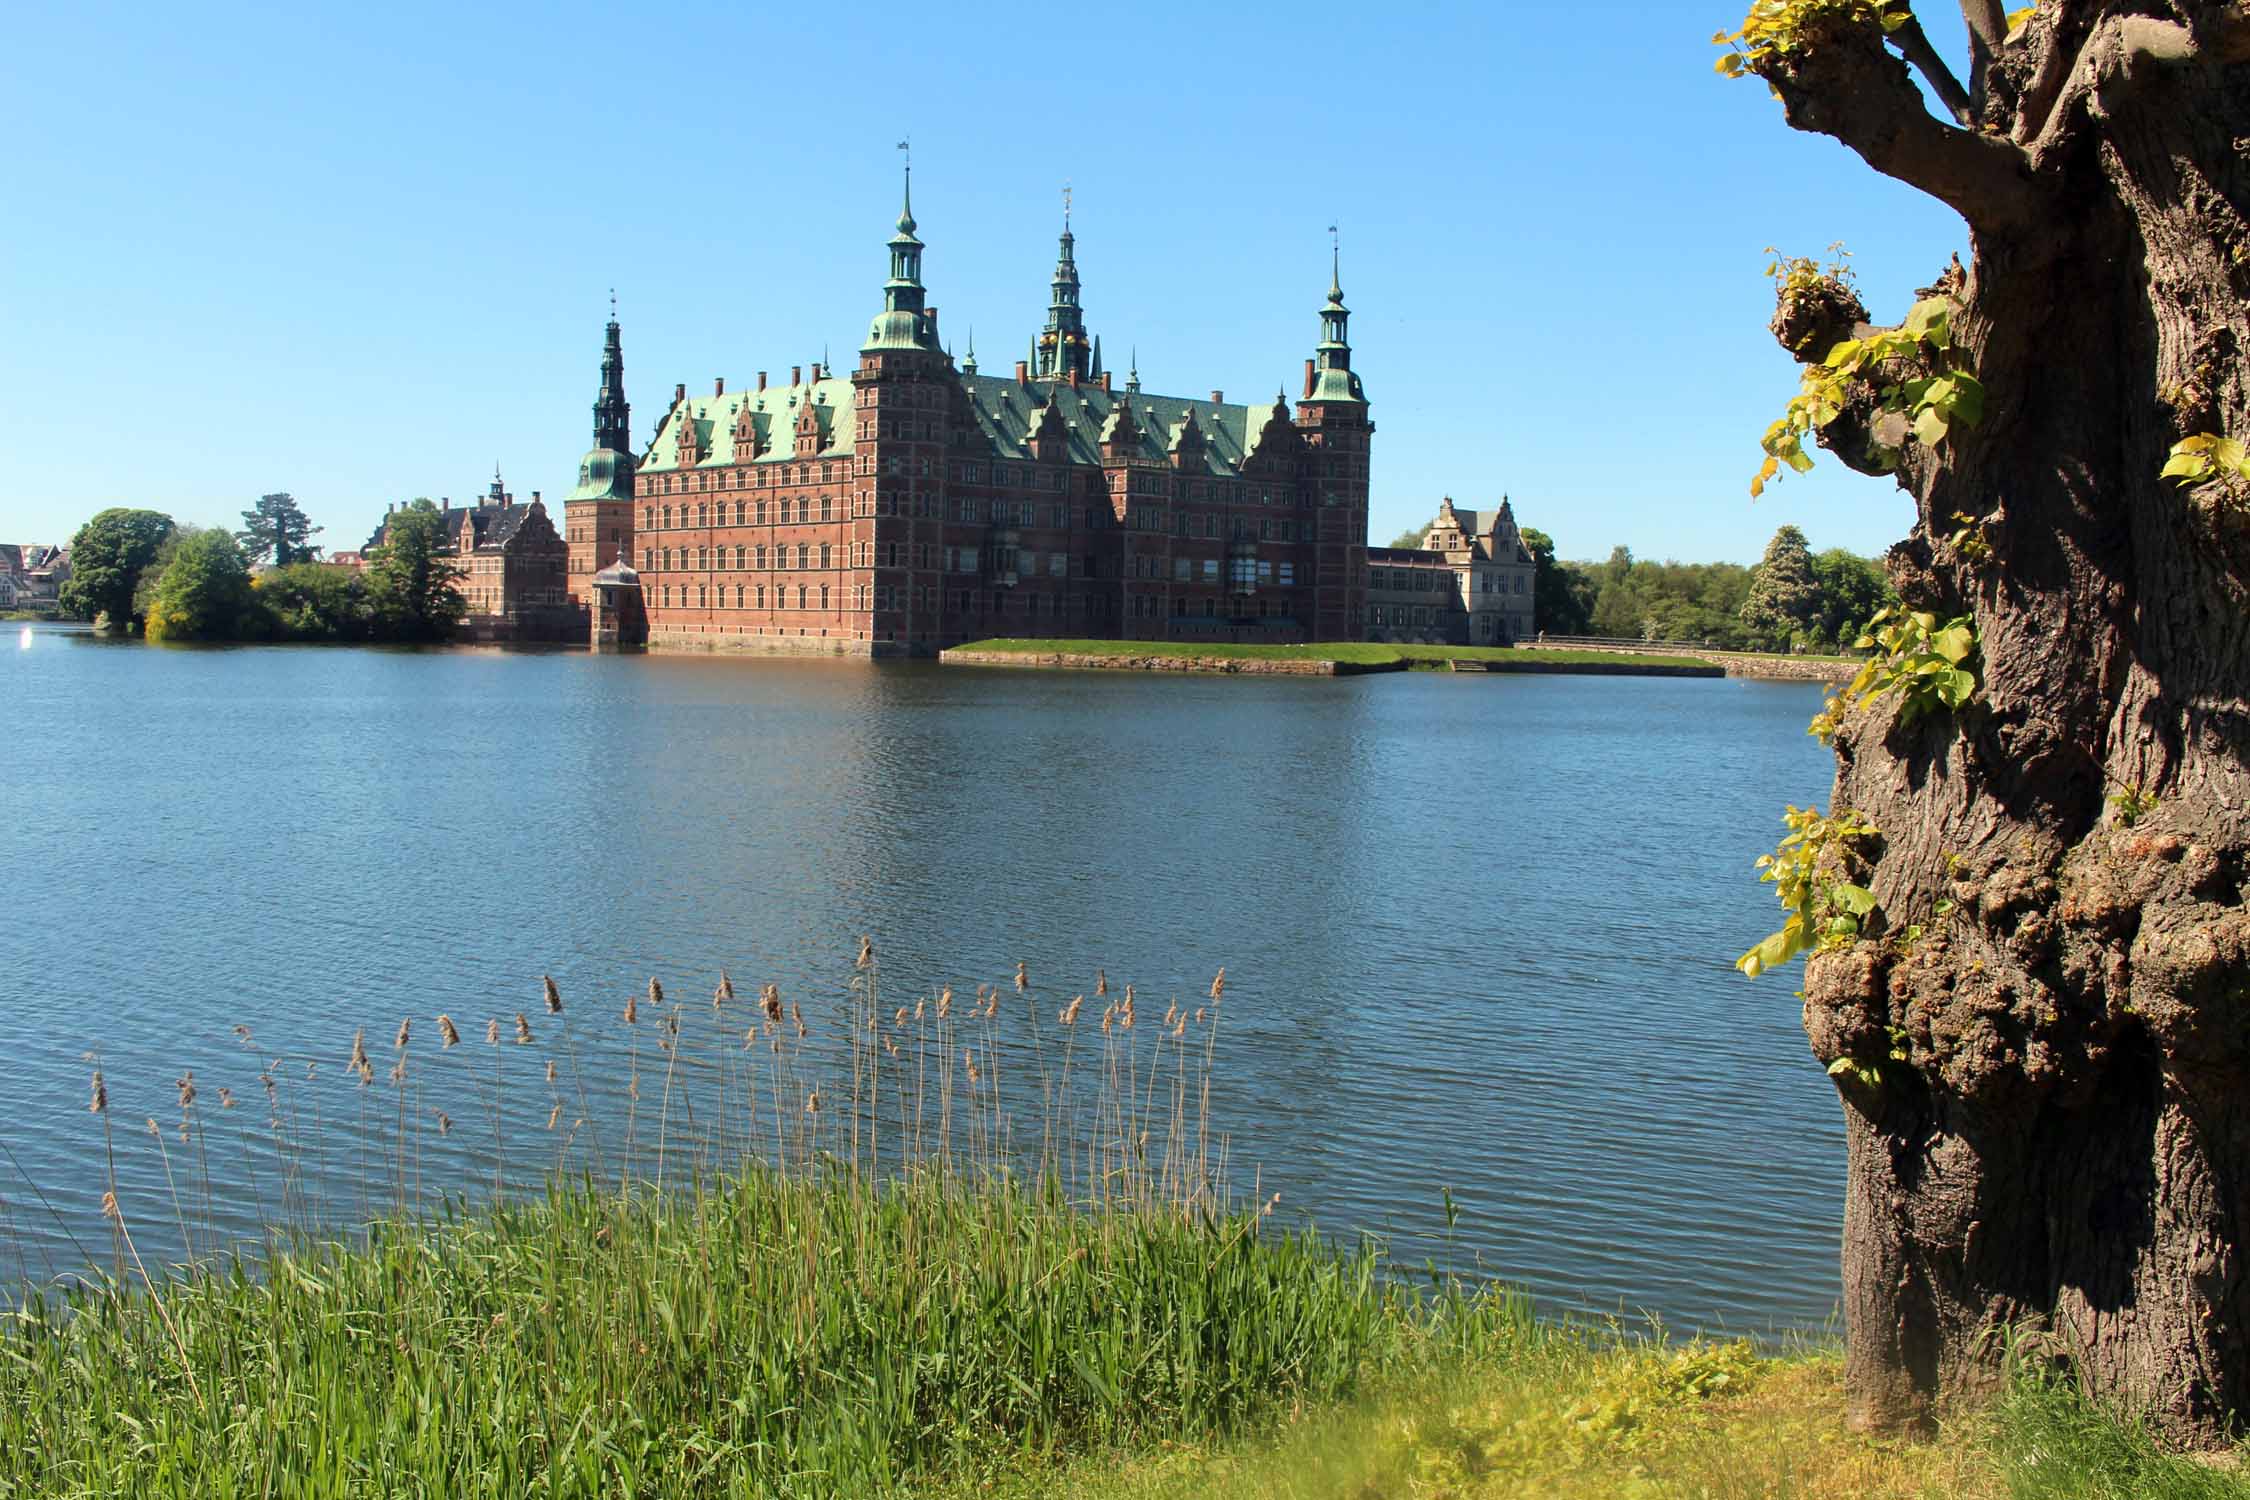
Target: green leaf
(1929, 319)
(1956, 688)
(1965, 403)
(1856, 899)
(1954, 643)
(1929, 426)
(1798, 460)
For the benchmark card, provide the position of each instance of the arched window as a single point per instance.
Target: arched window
(800, 596)
(824, 555)
(826, 502)
(759, 552)
(667, 518)
(804, 555)
(824, 596)
(761, 512)
(700, 511)
(702, 597)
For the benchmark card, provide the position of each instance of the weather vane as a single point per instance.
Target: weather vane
(1066, 203)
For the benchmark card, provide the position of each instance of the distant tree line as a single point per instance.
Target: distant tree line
(138, 570)
(1793, 599)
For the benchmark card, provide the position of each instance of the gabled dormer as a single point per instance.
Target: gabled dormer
(807, 426)
(687, 437)
(745, 430)
(1274, 446)
(1121, 434)
(1188, 446)
(1048, 439)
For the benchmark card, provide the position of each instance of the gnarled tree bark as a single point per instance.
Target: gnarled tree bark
(2060, 1133)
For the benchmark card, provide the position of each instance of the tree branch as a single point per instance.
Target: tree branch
(1914, 45)
(1988, 33)
(2124, 52)
(1850, 87)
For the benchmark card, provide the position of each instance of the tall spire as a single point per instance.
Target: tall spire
(1133, 371)
(1334, 380)
(1062, 349)
(903, 322)
(969, 365)
(613, 419)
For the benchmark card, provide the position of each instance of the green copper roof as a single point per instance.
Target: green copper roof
(604, 474)
(1007, 412)
(773, 415)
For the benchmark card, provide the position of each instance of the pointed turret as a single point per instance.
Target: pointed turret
(613, 419)
(969, 365)
(904, 323)
(1333, 379)
(1061, 351)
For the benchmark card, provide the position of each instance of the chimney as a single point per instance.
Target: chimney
(718, 385)
(761, 380)
(1218, 398)
(445, 502)
(796, 374)
(679, 393)
(933, 320)
(1105, 382)
(1023, 374)
(1074, 377)
(534, 497)
(1308, 379)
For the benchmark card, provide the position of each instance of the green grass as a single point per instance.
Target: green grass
(767, 1335)
(1364, 653)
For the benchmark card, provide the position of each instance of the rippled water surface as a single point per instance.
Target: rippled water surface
(1477, 930)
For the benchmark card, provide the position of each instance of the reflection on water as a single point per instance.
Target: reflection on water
(1477, 931)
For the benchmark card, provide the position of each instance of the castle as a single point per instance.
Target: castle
(911, 504)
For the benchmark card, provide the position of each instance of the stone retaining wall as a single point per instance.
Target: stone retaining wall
(1156, 662)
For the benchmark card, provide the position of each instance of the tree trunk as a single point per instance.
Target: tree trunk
(2053, 1130)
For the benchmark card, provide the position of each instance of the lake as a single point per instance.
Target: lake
(1478, 931)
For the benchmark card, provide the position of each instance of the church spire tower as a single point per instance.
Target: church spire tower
(613, 418)
(1338, 436)
(598, 513)
(904, 322)
(1333, 379)
(1063, 351)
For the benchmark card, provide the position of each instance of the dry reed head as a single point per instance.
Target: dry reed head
(1068, 1015)
(405, 1028)
(186, 1085)
(156, 1131)
(554, 996)
(100, 1102)
(945, 1002)
(242, 1034)
(918, 1005)
(866, 953)
(655, 991)
(523, 1030)
(812, 1101)
(359, 1050)
(109, 1206)
(550, 1070)
(448, 1033)
(1023, 976)
(1101, 983)
(492, 1031)
(398, 1070)
(632, 1010)
(769, 1000)
(900, 1018)
(1219, 984)
(1179, 1027)
(726, 987)
(553, 1115)
(226, 1098)
(444, 1122)
(971, 1063)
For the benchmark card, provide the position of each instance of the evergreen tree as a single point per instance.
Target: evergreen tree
(1784, 594)
(276, 530)
(413, 588)
(204, 593)
(106, 558)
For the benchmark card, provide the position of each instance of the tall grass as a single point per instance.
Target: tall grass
(910, 1238)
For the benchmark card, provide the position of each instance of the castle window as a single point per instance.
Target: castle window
(702, 597)
(827, 504)
(700, 512)
(760, 595)
(824, 596)
(1288, 575)
(667, 518)
(824, 556)
(800, 596)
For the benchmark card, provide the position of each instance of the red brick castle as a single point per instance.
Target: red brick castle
(911, 504)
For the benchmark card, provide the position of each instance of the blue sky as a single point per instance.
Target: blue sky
(362, 253)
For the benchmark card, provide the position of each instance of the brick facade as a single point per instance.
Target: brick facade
(912, 504)
(513, 570)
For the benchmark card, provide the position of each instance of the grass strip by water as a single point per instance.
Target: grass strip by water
(768, 1334)
(1568, 1413)
(1360, 653)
